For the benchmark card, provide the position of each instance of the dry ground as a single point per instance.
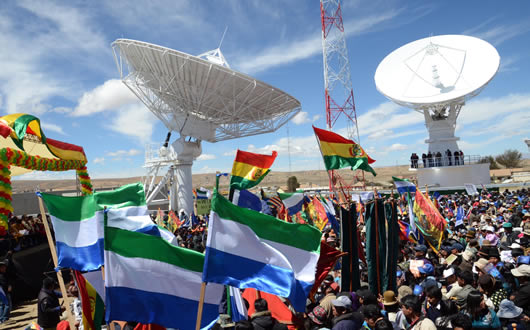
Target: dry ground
(313, 178)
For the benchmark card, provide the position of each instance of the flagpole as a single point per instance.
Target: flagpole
(201, 304)
(377, 243)
(60, 279)
(335, 192)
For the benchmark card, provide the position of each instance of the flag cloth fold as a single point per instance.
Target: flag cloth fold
(292, 201)
(339, 152)
(148, 280)
(248, 249)
(91, 302)
(250, 168)
(78, 223)
(429, 221)
(351, 279)
(246, 199)
(404, 186)
(328, 257)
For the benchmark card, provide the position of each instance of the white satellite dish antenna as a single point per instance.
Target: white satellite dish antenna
(436, 76)
(199, 97)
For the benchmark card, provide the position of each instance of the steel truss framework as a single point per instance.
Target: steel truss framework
(198, 98)
(337, 82)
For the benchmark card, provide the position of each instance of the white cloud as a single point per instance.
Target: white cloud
(499, 33)
(206, 157)
(206, 169)
(134, 120)
(52, 127)
(303, 118)
(122, 153)
(231, 153)
(296, 146)
(482, 109)
(397, 147)
(49, 32)
(295, 50)
(385, 118)
(112, 95)
(99, 160)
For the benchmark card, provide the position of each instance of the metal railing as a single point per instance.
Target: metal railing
(445, 161)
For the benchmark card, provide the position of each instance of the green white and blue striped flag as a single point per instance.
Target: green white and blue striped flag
(78, 223)
(404, 186)
(248, 249)
(148, 280)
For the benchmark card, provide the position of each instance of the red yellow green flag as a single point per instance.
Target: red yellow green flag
(429, 221)
(91, 303)
(339, 152)
(250, 168)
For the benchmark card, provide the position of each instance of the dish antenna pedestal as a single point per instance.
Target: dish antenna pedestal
(436, 76)
(202, 99)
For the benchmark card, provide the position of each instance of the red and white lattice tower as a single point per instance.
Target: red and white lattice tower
(337, 81)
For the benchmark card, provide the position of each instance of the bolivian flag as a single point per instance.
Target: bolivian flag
(91, 300)
(339, 152)
(429, 221)
(250, 168)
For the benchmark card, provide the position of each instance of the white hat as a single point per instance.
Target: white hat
(490, 228)
(448, 272)
(515, 246)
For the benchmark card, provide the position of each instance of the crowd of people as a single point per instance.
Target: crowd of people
(23, 232)
(478, 278)
(438, 159)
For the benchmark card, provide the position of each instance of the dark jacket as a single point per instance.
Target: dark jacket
(264, 321)
(4, 282)
(522, 298)
(348, 321)
(49, 310)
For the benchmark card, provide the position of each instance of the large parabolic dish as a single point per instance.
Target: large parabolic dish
(436, 76)
(199, 98)
(438, 70)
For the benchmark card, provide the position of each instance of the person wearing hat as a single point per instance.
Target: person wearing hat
(391, 305)
(509, 236)
(494, 257)
(451, 287)
(456, 248)
(5, 307)
(510, 315)
(491, 236)
(343, 317)
(330, 292)
(318, 318)
(522, 296)
(493, 290)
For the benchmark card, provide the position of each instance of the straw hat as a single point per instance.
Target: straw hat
(389, 298)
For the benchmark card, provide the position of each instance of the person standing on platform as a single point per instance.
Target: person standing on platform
(430, 159)
(457, 157)
(449, 155)
(438, 159)
(424, 159)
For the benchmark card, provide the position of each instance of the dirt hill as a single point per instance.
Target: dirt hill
(315, 178)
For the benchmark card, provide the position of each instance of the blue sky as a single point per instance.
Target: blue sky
(56, 62)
